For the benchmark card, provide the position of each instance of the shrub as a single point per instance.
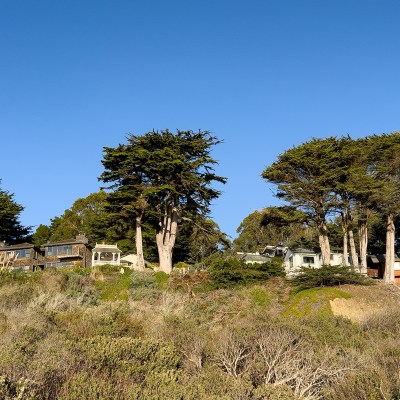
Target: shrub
(144, 285)
(161, 279)
(108, 319)
(114, 287)
(135, 358)
(327, 275)
(181, 265)
(191, 283)
(229, 272)
(20, 389)
(85, 386)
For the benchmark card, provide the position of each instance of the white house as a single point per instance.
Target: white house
(296, 258)
(106, 254)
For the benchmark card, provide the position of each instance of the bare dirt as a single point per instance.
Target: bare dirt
(366, 301)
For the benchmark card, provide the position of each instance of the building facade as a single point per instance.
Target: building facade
(24, 256)
(68, 253)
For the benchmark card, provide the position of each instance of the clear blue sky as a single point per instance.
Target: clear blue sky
(262, 75)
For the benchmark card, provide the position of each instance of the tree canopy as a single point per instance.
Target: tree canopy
(271, 226)
(357, 179)
(163, 177)
(11, 229)
(305, 177)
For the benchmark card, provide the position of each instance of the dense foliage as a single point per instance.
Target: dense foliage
(164, 178)
(354, 179)
(327, 275)
(229, 272)
(11, 229)
(272, 226)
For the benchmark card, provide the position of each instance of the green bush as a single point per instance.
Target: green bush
(107, 269)
(134, 358)
(84, 386)
(230, 272)
(327, 275)
(181, 264)
(161, 279)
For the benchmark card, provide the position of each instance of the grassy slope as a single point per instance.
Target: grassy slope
(99, 334)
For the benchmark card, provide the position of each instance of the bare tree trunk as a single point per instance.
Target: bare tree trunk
(345, 227)
(324, 242)
(389, 258)
(363, 236)
(140, 265)
(166, 240)
(353, 252)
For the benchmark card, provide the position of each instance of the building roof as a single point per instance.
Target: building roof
(79, 239)
(301, 250)
(106, 248)
(256, 258)
(17, 246)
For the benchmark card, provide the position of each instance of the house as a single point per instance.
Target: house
(274, 251)
(24, 256)
(106, 254)
(130, 260)
(253, 258)
(296, 258)
(67, 253)
(376, 266)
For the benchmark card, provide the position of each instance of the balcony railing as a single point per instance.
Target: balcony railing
(68, 254)
(104, 262)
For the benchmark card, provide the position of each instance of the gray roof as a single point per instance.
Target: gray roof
(255, 258)
(17, 246)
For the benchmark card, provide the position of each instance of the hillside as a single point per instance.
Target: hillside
(98, 334)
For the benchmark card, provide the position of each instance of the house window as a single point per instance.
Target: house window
(59, 250)
(21, 253)
(308, 260)
(59, 264)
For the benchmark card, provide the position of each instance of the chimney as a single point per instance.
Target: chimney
(82, 239)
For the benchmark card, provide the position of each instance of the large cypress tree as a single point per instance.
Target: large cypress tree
(306, 176)
(164, 177)
(11, 229)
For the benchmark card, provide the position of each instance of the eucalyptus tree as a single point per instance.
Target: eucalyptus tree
(11, 229)
(305, 177)
(270, 225)
(87, 215)
(163, 176)
(252, 235)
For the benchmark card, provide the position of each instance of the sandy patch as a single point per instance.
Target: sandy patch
(366, 301)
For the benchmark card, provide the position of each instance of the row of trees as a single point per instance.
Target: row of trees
(160, 181)
(354, 179)
(93, 216)
(155, 183)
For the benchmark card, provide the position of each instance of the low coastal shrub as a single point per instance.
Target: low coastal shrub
(230, 272)
(327, 275)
